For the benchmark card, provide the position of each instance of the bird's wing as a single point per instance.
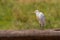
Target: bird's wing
(41, 14)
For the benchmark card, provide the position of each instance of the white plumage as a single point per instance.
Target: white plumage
(41, 18)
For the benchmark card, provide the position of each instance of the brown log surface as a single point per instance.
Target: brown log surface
(21, 33)
(30, 34)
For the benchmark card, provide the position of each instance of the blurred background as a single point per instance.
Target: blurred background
(17, 14)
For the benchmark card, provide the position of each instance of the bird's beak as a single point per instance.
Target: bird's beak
(33, 12)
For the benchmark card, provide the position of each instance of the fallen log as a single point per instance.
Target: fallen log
(29, 34)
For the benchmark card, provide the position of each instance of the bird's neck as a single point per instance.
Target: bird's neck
(37, 13)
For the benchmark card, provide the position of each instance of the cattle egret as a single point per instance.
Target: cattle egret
(41, 18)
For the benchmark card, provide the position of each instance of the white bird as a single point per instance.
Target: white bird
(41, 18)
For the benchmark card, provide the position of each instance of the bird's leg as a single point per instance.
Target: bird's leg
(42, 27)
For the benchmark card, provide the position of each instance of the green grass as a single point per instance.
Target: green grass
(12, 12)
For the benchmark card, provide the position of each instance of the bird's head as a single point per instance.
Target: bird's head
(36, 11)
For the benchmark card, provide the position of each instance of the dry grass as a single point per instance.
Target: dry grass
(18, 14)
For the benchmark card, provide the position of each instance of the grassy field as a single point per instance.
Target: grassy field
(17, 14)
